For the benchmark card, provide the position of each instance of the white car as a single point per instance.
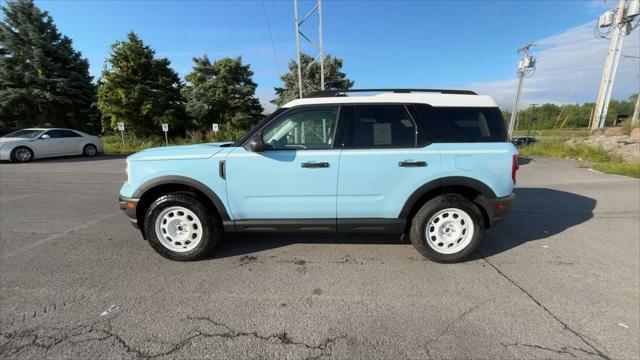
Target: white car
(28, 144)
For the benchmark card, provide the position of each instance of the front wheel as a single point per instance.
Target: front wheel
(90, 150)
(21, 154)
(179, 227)
(447, 228)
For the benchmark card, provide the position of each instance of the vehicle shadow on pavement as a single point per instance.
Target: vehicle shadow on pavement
(538, 214)
(241, 244)
(79, 158)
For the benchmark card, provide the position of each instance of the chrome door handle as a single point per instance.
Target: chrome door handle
(313, 164)
(411, 163)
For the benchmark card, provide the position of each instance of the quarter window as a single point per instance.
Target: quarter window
(311, 128)
(463, 124)
(380, 126)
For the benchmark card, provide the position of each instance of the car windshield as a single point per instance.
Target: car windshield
(25, 134)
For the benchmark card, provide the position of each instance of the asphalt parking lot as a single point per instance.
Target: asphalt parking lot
(559, 279)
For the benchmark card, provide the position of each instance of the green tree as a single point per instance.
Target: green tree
(139, 90)
(221, 92)
(334, 78)
(43, 80)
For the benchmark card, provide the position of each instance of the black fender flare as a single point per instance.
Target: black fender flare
(183, 180)
(463, 181)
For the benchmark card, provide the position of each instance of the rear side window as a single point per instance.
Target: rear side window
(463, 124)
(379, 126)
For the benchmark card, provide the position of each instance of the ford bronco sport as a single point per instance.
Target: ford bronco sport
(435, 165)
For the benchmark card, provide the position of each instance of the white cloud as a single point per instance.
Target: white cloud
(569, 69)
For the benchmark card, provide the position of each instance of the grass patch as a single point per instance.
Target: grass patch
(600, 158)
(626, 169)
(572, 151)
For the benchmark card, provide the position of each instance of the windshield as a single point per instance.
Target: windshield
(25, 134)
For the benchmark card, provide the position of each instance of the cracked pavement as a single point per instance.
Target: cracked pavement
(560, 279)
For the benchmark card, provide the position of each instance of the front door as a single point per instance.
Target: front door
(385, 158)
(50, 145)
(295, 177)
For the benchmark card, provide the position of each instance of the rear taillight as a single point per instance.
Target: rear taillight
(514, 167)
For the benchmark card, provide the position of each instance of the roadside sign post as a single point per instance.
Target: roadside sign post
(215, 128)
(121, 129)
(165, 128)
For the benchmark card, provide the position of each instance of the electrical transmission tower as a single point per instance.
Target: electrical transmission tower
(526, 68)
(620, 19)
(319, 46)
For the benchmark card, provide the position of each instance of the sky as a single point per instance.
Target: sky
(384, 44)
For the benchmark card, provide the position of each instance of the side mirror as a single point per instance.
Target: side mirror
(45, 137)
(255, 144)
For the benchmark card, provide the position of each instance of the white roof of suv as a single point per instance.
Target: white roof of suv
(433, 99)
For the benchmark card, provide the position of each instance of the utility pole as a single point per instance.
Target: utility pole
(526, 68)
(620, 19)
(317, 8)
(636, 113)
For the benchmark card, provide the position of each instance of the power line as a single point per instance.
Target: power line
(273, 46)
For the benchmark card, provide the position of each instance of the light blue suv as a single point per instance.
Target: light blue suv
(435, 165)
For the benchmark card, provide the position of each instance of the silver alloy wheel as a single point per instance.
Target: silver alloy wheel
(178, 229)
(90, 150)
(449, 231)
(23, 154)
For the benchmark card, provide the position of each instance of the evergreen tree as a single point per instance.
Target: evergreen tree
(139, 90)
(43, 80)
(221, 92)
(334, 78)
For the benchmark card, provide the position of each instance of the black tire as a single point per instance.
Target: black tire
(14, 154)
(90, 150)
(211, 226)
(418, 232)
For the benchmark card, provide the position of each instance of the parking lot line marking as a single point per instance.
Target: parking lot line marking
(61, 234)
(17, 197)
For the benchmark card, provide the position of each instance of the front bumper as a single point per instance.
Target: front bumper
(129, 206)
(497, 209)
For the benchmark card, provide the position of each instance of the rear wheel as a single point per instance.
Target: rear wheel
(90, 150)
(21, 154)
(447, 228)
(179, 227)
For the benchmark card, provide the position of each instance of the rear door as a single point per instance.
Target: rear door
(385, 158)
(71, 142)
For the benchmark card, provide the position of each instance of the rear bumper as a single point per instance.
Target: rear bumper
(129, 205)
(497, 209)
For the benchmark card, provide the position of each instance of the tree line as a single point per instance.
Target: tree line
(44, 81)
(552, 116)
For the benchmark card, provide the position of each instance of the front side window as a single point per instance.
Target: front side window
(380, 126)
(54, 134)
(311, 128)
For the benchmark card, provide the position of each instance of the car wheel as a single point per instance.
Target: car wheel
(447, 228)
(179, 227)
(21, 154)
(90, 150)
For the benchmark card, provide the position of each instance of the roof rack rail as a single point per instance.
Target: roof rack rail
(331, 93)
